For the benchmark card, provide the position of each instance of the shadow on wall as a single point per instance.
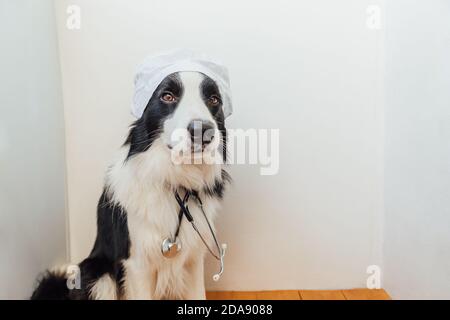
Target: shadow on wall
(32, 164)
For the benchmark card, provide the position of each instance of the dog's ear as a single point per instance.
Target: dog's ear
(224, 143)
(139, 137)
(220, 120)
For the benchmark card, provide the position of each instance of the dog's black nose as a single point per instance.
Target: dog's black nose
(202, 132)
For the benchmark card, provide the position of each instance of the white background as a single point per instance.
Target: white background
(32, 164)
(308, 68)
(364, 120)
(417, 189)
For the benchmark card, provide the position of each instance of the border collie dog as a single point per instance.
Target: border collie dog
(138, 210)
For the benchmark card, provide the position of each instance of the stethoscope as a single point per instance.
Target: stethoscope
(170, 247)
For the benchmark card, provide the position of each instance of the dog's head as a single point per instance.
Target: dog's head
(185, 115)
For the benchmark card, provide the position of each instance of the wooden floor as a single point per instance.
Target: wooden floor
(352, 294)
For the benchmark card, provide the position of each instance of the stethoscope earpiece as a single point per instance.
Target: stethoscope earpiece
(217, 276)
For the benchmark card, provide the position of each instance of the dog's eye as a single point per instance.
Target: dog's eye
(213, 100)
(168, 97)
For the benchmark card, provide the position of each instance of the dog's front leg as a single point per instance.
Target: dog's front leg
(138, 280)
(196, 281)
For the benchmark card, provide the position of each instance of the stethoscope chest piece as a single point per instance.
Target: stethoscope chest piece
(170, 248)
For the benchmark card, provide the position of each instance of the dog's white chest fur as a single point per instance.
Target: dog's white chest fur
(142, 188)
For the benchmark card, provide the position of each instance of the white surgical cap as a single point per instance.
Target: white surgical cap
(155, 68)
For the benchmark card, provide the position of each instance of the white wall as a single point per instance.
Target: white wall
(32, 164)
(309, 68)
(417, 188)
